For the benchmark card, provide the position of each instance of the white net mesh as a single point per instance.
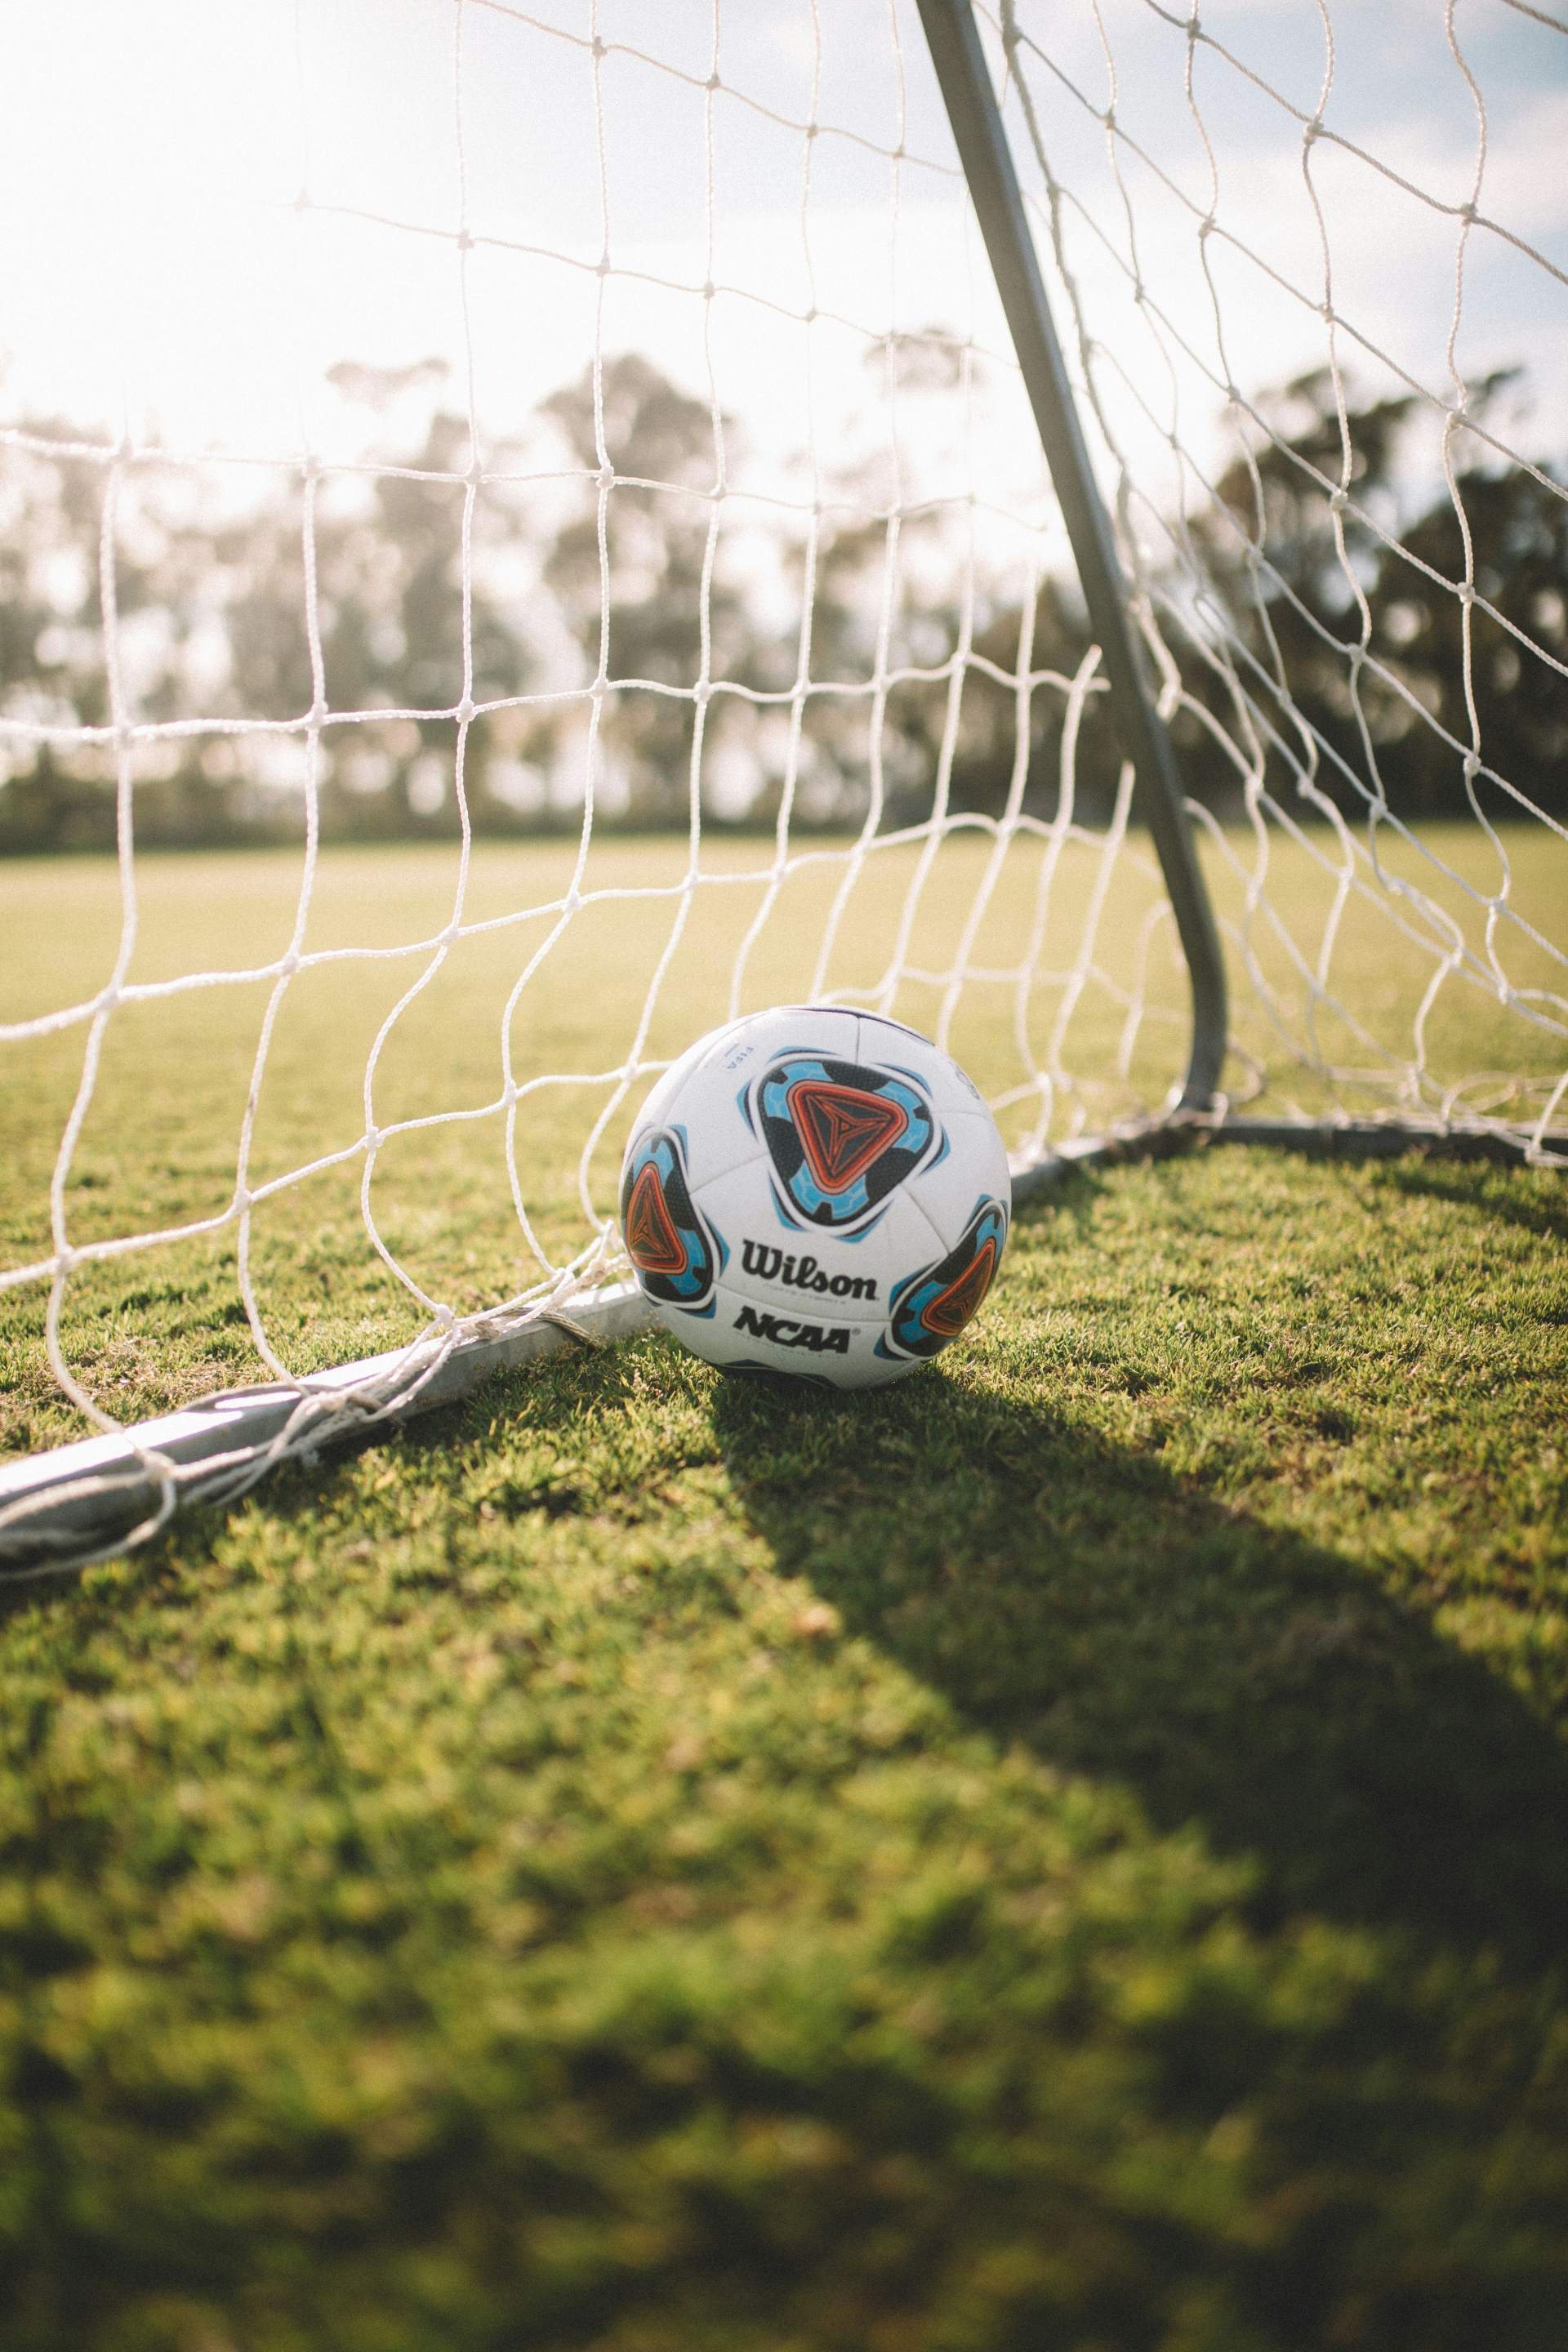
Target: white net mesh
(1354, 591)
(524, 538)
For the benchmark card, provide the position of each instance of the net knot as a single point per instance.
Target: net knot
(465, 709)
(1472, 766)
(571, 1327)
(1338, 499)
(604, 480)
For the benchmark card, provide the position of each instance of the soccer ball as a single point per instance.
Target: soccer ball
(818, 1192)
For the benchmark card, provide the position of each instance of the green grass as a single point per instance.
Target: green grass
(158, 1145)
(1063, 1855)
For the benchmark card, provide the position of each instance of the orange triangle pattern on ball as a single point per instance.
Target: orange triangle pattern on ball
(843, 1129)
(951, 1309)
(652, 1243)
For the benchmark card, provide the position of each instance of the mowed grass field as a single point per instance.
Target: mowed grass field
(1066, 1853)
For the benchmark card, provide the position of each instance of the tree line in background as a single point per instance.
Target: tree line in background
(211, 597)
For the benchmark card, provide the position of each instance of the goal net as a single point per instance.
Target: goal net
(525, 536)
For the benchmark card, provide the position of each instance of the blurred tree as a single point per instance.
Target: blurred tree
(1517, 528)
(655, 568)
(211, 594)
(1298, 618)
(920, 578)
(390, 609)
(51, 639)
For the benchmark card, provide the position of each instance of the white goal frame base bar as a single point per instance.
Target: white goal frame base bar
(96, 1498)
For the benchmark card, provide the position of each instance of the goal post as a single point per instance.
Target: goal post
(982, 142)
(1049, 524)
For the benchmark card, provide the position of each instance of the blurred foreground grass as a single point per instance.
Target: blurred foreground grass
(1065, 1852)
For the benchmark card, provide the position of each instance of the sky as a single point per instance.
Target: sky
(212, 202)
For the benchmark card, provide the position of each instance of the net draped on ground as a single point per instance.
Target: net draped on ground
(864, 562)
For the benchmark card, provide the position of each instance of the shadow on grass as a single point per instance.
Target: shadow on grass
(1074, 1598)
(1489, 1192)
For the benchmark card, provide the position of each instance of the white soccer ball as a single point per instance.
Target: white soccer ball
(818, 1192)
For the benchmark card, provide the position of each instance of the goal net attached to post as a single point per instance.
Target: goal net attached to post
(526, 535)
